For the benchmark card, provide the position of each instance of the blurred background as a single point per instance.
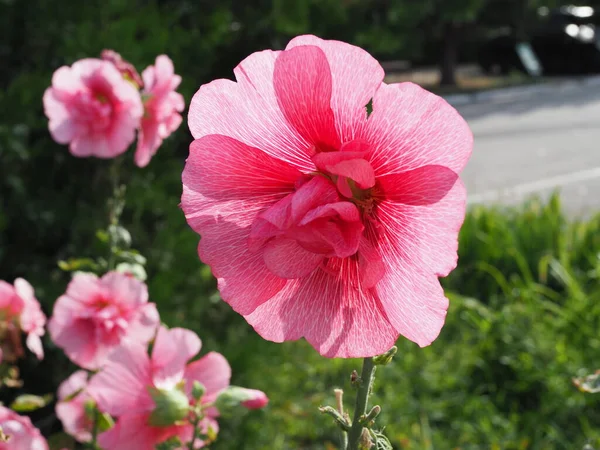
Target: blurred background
(525, 311)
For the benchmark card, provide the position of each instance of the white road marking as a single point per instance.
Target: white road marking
(535, 186)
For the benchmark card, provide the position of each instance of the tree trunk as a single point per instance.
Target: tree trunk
(449, 60)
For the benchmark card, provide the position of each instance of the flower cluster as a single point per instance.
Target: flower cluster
(328, 201)
(106, 324)
(97, 105)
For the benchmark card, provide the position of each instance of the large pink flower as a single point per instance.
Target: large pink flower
(96, 314)
(123, 388)
(21, 432)
(71, 406)
(162, 106)
(93, 108)
(318, 219)
(19, 307)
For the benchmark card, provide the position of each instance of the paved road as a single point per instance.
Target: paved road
(536, 145)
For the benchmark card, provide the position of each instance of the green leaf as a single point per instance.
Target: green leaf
(28, 402)
(102, 236)
(78, 264)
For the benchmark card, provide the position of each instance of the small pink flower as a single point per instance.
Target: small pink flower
(19, 305)
(123, 389)
(162, 106)
(96, 315)
(93, 108)
(71, 406)
(320, 220)
(21, 432)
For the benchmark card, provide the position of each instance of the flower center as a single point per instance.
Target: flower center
(93, 108)
(322, 219)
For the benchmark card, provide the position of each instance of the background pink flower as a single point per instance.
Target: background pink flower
(122, 388)
(95, 315)
(317, 219)
(19, 305)
(93, 108)
(162, 106)
(23, 435)
(70, 409)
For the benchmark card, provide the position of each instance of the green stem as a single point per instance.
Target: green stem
(94, 443)
(344, 440)
(195, 435)
(362, 398)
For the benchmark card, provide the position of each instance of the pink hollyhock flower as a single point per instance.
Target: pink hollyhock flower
(93, 108)
(150, 396)
(127, 70)
(19, 307)
(22, 435)
(71, 406)
(96, 315)
(162, 106)
(320, 220)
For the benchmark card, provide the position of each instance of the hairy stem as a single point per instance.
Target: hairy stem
(362, 398)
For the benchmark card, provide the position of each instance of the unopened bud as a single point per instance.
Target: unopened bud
(172, 406)
(368, 420)
(235, 396)
(198, 390)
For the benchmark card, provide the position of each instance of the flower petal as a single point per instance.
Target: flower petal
(287, 259)
(426, 228)
(302, 82)
(143, 325)
(77, 339)
(212, 370)
(331, 309)
(421, 216)
(356, 76)
(411, 127)
(132, 432)
(172, 350)
(121, 386)
(76, 382)
(226, 184)
(248, 111)
(34, 344)
(125, 290)
(224, 177)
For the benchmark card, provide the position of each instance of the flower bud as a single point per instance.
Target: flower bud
(171, 406)
(234, 396)
(198, 390)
